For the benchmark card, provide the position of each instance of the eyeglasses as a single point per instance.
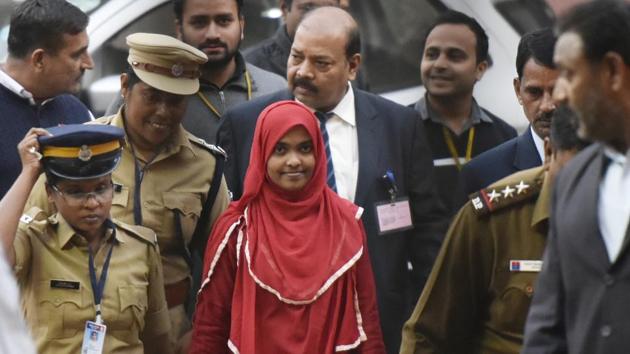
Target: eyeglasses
(101, 194)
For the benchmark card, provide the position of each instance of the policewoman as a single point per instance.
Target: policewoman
(165, 178)
(90, 283)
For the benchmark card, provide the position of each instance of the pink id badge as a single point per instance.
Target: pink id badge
(393, 216)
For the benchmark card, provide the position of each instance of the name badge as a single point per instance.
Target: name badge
(393, 216)
(93, 338)
(525, 266)
(65, 284)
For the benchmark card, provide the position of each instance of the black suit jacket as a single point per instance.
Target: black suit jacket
(514, 155)
(581, 301)
(390, 136)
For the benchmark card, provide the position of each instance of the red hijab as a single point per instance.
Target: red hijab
(296, 243)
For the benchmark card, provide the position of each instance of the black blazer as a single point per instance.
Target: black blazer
(581, 301)
(390, 136)
(514, 155)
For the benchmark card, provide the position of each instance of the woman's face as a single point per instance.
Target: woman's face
(291, 163)
(84, 204)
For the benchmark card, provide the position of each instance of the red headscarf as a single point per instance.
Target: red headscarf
(297, 243)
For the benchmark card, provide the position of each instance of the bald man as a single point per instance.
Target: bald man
(369, 138)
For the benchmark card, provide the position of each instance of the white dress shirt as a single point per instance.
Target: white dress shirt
(614, 202)
(344, 145)
(15, 87)
(540, 145)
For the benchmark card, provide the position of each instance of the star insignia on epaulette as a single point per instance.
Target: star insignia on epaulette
(521, 187)
(494, 196)
(508, 192)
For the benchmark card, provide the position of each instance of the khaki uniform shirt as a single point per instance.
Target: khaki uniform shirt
(475, 300)
(175, 185)
(52, 270)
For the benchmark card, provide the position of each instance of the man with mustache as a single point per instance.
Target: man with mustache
(47, 57)
(378, 158)
(216, 28)
(454, 58)
(534, 85)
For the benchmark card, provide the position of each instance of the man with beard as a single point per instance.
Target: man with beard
(216, 28)
(378, 158)
(581, 302)
(533, 86)
(454, 58)
(47, 57)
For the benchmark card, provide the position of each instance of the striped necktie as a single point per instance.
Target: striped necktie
(323, 117)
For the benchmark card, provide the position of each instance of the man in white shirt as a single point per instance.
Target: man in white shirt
(581, 302)
(380, 158)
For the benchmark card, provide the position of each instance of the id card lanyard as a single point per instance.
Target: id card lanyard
(453, 150)
(214, 110)
(99, 286)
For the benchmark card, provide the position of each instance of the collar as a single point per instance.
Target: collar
(539, 143)
(180, 140)
(281, 37)
(345, 107)
(65, 232)
(543, 202)
(477, 115)
(618, 158)
(238, 77)
(15, 87)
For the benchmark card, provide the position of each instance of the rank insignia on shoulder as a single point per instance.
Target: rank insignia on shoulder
(215, 150)
(26, 218)
(498, 197)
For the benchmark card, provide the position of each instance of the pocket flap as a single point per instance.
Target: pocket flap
(58, 297)
(187, 203)
(133, 296)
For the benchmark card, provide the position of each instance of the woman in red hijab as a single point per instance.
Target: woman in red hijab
(286, 268)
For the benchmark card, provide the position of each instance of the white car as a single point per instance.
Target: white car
(392, 32)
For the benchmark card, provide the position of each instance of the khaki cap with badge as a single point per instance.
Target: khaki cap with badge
(165, 63)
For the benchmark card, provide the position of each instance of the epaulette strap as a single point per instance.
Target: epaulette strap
(215, 150)
(495, 198)
(139, 232)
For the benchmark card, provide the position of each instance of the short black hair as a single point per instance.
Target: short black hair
(453, 17)
(539, 45)
(132, 78)
(353, 46)
(604, 26)
(178, 8)
(42, 24)
(564, 126)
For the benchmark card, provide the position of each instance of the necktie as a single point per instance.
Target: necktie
(323, 117)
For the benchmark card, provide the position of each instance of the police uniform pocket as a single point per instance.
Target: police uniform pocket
(121, 195)
(513, 303)
(60, 311)
(186, 209)
(133, 308)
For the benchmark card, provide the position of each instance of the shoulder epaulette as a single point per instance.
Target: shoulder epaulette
(215, 150)
(33, 214)
(139, 232)
(500, 196)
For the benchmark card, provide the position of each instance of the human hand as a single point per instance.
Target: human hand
(28, 149)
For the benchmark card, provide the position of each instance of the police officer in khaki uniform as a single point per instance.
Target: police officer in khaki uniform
(57, 257)
(165, 174)
(478, 294)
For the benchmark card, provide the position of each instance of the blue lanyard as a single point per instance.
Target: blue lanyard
(98, 287)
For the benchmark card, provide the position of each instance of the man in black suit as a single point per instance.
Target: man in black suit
(533, 86)
(369, 137)
(581, 303)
